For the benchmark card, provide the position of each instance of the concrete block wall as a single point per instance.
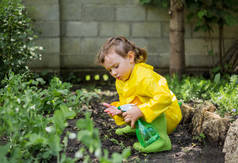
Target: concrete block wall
(72, 32)
(45, 14)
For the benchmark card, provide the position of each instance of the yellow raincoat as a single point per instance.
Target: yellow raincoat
(150, 92)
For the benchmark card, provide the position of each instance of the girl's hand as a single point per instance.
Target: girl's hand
(111, 110)
(132, 115)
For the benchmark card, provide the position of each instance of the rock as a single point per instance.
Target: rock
(197, 121)
(210, 108)
(214, 127)
(231, 144)
(210, 124)
(187, 112)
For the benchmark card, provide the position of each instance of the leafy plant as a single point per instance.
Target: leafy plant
(201, 138)
(35, 135)
(90, 138)
(227, 98)
(33, 120)
(16, 38)
(222, 91)
(213, 14)
(207, 16)
(160, 3)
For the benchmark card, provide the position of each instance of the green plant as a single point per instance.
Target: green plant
(33, 120)
(32, 133)
(206, 15)
(26, 129)
(90, 138)
(160, 3)
(201, 138)
(226, 97)
(222, 90)
(16, 38)
(213, 14)
(190, 88)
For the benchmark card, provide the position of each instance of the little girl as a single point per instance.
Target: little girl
(137, 83)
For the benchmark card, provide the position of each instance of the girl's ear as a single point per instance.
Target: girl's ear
(131, 56)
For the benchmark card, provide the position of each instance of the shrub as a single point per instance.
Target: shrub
(227, 97)
(222, 91)
(16, 38)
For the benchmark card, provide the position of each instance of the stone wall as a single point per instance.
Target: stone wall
(72, 32)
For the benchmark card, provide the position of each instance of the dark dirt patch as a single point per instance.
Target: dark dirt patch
(185, 148)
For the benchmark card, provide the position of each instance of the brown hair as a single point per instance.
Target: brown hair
(121, 46)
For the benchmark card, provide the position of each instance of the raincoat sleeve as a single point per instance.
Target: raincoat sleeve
(119, 120)
(160, 97)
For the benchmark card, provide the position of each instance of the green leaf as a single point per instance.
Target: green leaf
(116, 158)
(202, 13)
(85, 136)
(54, 143)
(230, 20)
(58, 120)
(65, 159)
(35, 139)
(41, 81)
(217, 78)
(211, 52)
(85, 123)
(68, 114)
(3, 152)
(59, 92)
(126, 153)
(145, 1)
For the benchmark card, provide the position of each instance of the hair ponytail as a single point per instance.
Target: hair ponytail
(122, 47)
(140, 55)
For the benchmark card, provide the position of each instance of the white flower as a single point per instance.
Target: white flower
(49, 129)
(17, 109)
(18, 100)
(78, 154)
(72, 135)
(33, 107)
(98, 152)
(70, 108)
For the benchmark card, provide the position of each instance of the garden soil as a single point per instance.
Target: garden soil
(185, 147)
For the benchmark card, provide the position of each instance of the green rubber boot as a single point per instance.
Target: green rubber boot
(163, 143)
(126, 130)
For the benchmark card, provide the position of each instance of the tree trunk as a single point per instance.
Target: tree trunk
(176, 36)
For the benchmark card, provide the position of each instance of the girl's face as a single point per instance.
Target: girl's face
(119, 67)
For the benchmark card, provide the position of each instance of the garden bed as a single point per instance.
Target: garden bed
(186, 148)
(35, 129)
